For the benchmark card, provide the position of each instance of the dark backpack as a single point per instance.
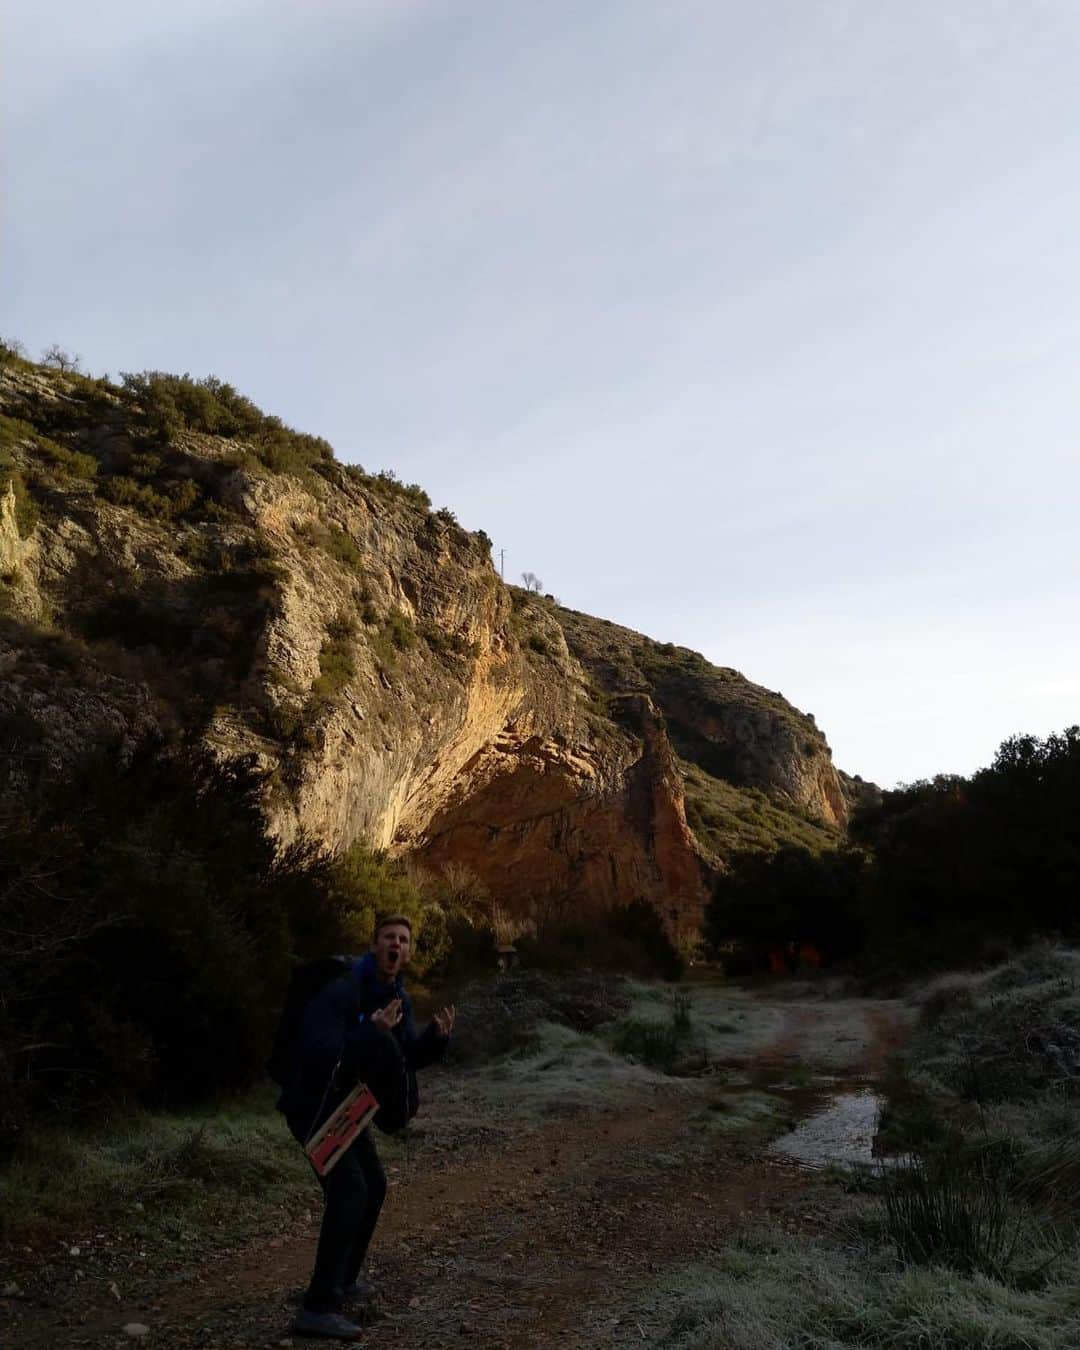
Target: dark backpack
(305, 983)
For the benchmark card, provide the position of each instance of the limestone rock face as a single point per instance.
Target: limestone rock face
(362, 654)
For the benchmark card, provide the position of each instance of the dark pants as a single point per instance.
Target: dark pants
(353, 1192)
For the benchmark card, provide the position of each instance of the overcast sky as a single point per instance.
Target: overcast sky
(752, 326)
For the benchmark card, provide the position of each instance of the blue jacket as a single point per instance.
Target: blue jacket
(338, 1045)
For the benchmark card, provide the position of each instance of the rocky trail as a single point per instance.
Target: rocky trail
(554, 1227)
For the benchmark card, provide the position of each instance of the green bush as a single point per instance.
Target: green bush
(177, 498)
(340, 546)
(637, 925)
(537, 642)
(14, 431)
(387, 484)
(443, 642)
(399, 628)
(208, 625)
(12, 353)
(337, 665)
(362, 885)
(501, 1015)
(155, 927)
(73, 405)
(168, 404)
(653, 1043)
(396, 634)
(334, 542)
(154, 924)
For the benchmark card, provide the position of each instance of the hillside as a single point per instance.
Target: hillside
(173, 562)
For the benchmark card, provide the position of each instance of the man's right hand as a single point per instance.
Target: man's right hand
(385, 1019)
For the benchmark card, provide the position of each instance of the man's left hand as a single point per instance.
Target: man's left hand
(444, 1021)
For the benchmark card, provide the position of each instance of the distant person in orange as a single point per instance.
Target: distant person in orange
(778, 962)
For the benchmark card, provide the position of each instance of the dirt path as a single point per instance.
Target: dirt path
(547, 1236)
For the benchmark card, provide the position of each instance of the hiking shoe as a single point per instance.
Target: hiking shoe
(331, 1326)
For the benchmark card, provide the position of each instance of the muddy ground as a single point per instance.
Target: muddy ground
(544, 1201)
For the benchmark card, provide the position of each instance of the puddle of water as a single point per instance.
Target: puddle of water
(840, 1132)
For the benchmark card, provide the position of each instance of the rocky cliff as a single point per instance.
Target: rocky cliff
(173, 561)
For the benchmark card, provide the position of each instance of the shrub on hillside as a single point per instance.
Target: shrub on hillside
(336, 663)
(168, 404)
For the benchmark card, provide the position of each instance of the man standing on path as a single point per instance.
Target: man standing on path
(358, 1027)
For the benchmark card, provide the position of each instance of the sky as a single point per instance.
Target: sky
(752, 327)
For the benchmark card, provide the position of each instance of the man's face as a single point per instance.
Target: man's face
(391, 949)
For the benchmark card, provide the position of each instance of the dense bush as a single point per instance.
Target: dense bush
(396, 634)
(336, 664)
(175, 498)
(169, 404)
(628, 938)
(150, 929)
(790, 896)
(443, 642)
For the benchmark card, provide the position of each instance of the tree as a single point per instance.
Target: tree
(532, 582)
(792, 895)
(959, 861)
(58, 359)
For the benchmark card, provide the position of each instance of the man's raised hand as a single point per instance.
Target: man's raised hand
(385, 1019)
(444, 1021)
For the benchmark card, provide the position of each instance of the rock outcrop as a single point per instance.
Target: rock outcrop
(362, 654)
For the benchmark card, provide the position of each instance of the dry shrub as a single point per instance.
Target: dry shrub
(499, 1015)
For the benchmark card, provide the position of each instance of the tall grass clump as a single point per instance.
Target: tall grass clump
(666, 1045)
(990, 1104)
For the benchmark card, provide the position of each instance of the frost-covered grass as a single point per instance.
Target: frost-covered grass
(190, 1166)
(973, 1240)
(1011, 1034)
(773, 1290)
(562, 1070)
